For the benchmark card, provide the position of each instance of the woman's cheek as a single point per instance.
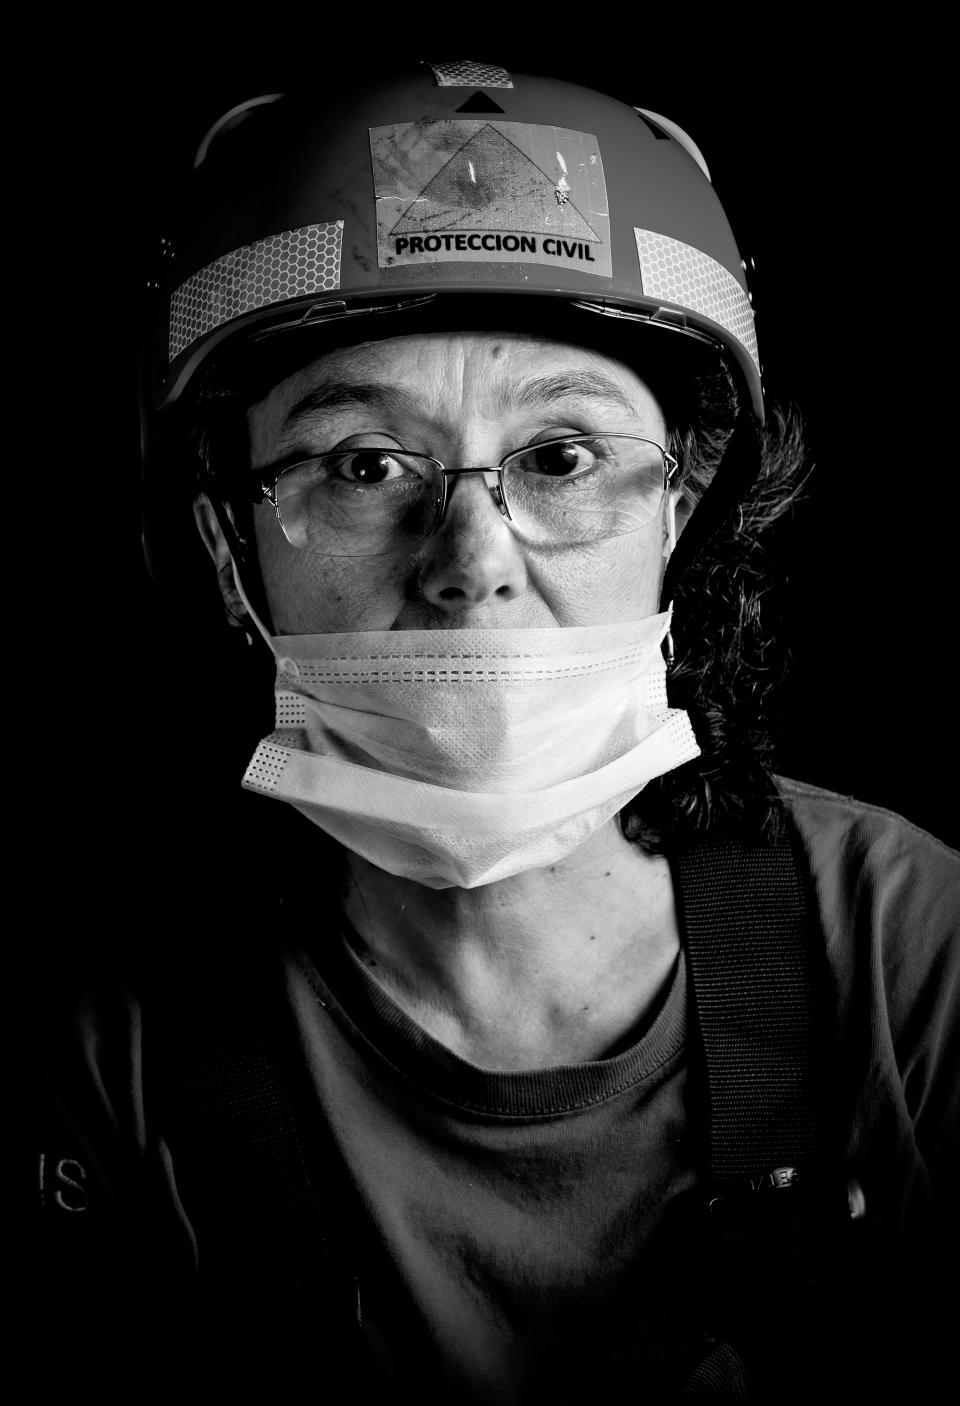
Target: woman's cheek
(334, 595)
(614, 580)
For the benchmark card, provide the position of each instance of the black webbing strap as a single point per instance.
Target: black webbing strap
(750, 946)
(737, 470)
(782, 1272)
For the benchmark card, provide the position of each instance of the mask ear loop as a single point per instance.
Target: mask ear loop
(667, 641)
(261, 628)
(239, 552)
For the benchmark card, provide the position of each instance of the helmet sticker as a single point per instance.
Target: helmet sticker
(679, 273)
(282, 266)
(489, 192)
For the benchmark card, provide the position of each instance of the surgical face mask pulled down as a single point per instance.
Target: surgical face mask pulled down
(459, 757)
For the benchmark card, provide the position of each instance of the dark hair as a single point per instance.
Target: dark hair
(730, 655)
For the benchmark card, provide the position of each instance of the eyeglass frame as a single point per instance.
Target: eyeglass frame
(267, 483)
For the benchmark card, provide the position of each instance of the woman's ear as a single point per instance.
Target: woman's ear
(211, 534)
(676, 514)
(683, 509)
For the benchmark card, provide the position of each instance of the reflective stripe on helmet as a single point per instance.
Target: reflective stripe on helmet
(306, 261)
(287, 265)
(467, 74)
(678, 273)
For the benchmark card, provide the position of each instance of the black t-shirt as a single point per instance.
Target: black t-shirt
(517, 1224)
(514, 1235)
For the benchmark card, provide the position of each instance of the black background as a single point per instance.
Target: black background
(831, 156)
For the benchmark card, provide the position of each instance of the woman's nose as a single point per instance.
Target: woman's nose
(473, 557)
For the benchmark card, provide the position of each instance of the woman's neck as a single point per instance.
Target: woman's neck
(553, 966)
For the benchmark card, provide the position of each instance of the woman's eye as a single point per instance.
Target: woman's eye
(562, 459)
(370, 466)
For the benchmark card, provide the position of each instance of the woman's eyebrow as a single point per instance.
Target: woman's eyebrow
(566, 385)
(347, 395)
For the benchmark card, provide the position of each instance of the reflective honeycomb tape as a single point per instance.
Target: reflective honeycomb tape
(678, 273)
(466, 74)
(287, 265)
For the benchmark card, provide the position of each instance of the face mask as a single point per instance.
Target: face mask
(460, 757)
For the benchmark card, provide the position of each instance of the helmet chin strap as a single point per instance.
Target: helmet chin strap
(736, 471)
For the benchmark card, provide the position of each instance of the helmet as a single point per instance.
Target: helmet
(445, 182)
(448, 178)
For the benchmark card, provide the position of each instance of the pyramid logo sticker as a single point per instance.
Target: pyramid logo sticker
(490, 192)
(490, 184)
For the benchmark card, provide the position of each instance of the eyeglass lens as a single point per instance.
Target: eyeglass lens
(369, 502)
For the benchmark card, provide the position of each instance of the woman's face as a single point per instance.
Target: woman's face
(466, 399)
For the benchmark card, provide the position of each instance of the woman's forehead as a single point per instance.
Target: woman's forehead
(497, 371)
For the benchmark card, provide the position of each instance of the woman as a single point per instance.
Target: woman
(468, 378)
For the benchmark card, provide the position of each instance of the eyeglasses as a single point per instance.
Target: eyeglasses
(560, 492)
